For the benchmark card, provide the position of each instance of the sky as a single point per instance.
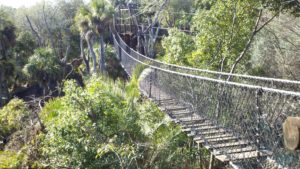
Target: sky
(20, 3)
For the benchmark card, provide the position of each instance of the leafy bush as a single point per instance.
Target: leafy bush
(42, 66)
(113, 66)
(105, 126)
(10, 159)
(12, 117)
(178, 45)
(221, 39)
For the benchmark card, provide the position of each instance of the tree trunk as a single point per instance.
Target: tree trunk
(256, 29)
(89, 41)
(34, 31)
(4, 93)
(139, 43)
(138, 28)
(149, 43)
(85, 59)
(102, 54)
(151, 49)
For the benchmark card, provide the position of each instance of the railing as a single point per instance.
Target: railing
(275, 83)
(253, 112)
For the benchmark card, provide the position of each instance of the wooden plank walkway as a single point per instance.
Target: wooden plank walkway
(223, 144)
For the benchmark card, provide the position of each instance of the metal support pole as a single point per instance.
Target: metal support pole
(150, 85)
(259, 93)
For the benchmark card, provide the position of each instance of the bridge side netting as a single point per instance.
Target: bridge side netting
(254, 114)
(246, 79)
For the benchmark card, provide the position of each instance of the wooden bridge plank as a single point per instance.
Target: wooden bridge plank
(174, 108)
(188, 118)
(212, 132)
(182, 115)
(212, 137)
(193, 121)
(206, 133)
(235, 150)
(221, 139)
(230, 144)
(205, 123)
(170, 107)
(164, 100)
(200, 128)
(170, 103)
(241, 156)
(181, 111)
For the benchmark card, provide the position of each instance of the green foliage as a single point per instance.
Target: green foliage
(7, 35)
(204, 4)
(7, 68)
(178, 47)
(223, 29)
(291, 7)
(223, 32)
(102, 10)
(25, 46)
(12, 117)
(275, 50)
(80, 122)
(112, 64)
(7, 41)
(82, 19)
(42, 66)
(177, 14)
(103, 126)
(10, 159)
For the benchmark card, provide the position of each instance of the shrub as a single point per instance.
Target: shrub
(12, 117)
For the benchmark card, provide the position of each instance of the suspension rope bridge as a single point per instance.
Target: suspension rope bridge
(239, 121)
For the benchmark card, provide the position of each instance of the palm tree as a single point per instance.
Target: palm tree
(102, 13)
(7, 42)
(89, 37)
(44, 68)
(82, 19)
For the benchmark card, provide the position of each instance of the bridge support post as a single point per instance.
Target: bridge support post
(150, 85)
(201, 159)
(258, 96)
(211, 161)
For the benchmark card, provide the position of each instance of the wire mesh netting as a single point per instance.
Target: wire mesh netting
(246, 79)
(248, 116)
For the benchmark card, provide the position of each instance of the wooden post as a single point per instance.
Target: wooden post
(211, 161)
(291, 133)
(201, 161)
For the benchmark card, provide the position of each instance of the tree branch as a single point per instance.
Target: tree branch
(48, 29)
(256, 29)
(34, 31)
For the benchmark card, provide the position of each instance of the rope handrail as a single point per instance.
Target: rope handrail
(240, 120)
(251, 115)
(284, 92)
(214, 72)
